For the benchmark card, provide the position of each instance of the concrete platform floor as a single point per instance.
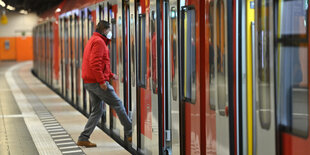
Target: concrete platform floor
(35, 120)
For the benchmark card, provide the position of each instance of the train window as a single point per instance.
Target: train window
(173, 49)
(292, 67)
(221, 60)
(263, 84)
(132, 50)
(142, 51)
(113, 51)
(211, 57)
(188, 54)
(153, 52)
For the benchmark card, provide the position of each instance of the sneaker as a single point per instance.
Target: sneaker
(86, 144)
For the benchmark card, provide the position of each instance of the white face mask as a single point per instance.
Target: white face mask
(109, 35)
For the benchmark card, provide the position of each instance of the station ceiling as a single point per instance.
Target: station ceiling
(37, 6)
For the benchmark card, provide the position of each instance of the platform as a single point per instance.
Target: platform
(35, 120)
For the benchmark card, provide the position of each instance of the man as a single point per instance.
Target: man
(96, 73)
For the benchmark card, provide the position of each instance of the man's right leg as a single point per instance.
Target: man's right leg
(96, 113)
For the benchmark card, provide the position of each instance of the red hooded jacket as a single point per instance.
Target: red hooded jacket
(96, 60)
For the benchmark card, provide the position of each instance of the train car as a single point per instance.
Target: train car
(195, 76)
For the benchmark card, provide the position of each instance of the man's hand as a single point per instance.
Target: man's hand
(104, 86)
(115, 77)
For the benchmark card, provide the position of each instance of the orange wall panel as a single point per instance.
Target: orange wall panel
(20, 48)
(10, 53)
(24, 48)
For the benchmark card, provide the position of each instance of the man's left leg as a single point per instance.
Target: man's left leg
(96, 113)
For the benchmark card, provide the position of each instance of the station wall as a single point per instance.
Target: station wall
(16, 36)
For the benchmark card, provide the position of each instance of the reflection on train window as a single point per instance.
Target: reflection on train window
(263, 86)
(211, 58)
(221, 60)
(113, 50)
(153, 52)
(292, 67)
(90, 25)
(188, 52)
(142, 52)
(132, 50)
(173, 49)
(120, 52)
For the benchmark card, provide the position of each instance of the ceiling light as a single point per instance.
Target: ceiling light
(23, 12)
(9, 7)
(58, 10)
(2, 3)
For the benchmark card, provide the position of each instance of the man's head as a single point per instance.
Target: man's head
(103, 27)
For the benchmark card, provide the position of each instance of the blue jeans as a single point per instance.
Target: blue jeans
(97, 95)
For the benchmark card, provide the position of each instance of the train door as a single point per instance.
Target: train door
(62, 51)
(77, 92)
(154, 62)
(173, 79)
(90, 14)
(100, 12)
(221, 76)
(133, 72)
(126, 47)
(264, 129)
(72, 56)
(211, 141)
(80, 88)
(119, 85)
(189, 66)
(51, 60)
(83, 41)
(110, 11)
(292, 75)
(56, 55)
(66, 57)
(148, 130)
(47, 52)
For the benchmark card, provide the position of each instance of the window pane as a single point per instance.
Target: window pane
(142, 51)
(153, 52)
(211, 57)
(292, 67)
(173, 50)
(132, 50)
(189, 54)
(221, 58)
(263, 62)
(113, 48)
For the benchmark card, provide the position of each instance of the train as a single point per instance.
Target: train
(209, 77)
